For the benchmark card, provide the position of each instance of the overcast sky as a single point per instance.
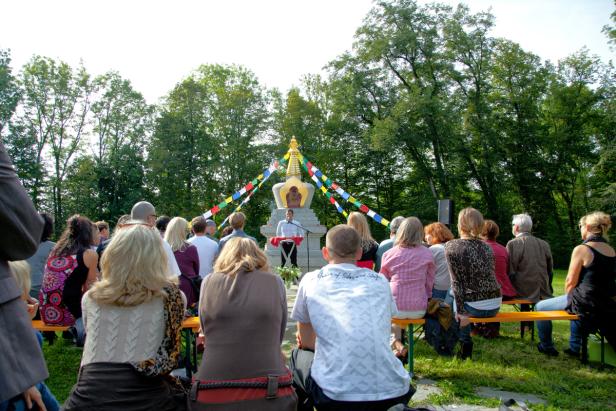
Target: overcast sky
(156, 43)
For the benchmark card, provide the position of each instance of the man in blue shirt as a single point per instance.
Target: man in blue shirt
(237, 222)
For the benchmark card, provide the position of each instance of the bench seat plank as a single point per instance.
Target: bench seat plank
(503, 317)
(41, 326)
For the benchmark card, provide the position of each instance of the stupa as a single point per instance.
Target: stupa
(297, 195)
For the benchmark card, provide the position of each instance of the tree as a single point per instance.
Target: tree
(123, 123)
(55, 107)
(209, 139)
(9, 90)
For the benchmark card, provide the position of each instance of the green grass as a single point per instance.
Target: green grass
(63, 360)
(507, 363)
(512, 364)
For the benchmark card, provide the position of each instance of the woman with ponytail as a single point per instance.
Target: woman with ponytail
(471, 264)
(590, 288)
(70, 270)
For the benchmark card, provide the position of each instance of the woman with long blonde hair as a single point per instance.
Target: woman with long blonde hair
(187, 257)
(243, 313)
(133, 320)
(369, 246)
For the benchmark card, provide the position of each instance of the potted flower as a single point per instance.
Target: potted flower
(288, 274)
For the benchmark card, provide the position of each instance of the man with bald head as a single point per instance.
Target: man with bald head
(344, 359)
(145, 211)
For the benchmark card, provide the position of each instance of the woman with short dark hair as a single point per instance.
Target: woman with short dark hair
(38, 260)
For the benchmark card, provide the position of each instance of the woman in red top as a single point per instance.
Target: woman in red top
(501, 259)
(187, 257)
(501, 264)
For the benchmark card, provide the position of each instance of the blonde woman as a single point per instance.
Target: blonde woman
(243, 313)
(471, 264)
(133, 318)
(409, 268)
(590, 288)
(21, 272)
(187, 258)
(369, 247)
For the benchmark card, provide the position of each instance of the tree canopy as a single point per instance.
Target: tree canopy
(426, 105)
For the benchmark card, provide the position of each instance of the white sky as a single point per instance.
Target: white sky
(157, 43)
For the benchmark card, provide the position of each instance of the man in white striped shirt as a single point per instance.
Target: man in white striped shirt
(289, 228)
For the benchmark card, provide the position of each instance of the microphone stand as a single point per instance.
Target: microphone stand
(307, 241)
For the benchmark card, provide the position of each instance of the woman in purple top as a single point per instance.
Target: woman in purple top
(409, 268)
(186, 256)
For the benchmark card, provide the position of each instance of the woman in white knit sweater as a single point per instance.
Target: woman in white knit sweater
(133, 322)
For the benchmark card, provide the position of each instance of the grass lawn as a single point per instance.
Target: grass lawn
(507, 363)
(512, 364)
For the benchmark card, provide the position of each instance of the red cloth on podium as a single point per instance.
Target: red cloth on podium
(365, 264)
(275, 241)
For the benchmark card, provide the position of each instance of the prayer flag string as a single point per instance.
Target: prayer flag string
(247, 188)
(323, 183)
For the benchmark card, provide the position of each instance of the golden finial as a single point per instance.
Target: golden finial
(293, 169)
(293, 145)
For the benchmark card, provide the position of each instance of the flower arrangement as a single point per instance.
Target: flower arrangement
(288, 274)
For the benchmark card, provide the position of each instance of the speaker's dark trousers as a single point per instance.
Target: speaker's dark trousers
(287, 246)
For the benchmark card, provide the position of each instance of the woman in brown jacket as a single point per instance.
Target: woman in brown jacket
(243, 313)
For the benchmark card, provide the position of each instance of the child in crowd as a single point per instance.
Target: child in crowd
(21, 272)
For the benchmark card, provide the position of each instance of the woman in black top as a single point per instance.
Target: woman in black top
(590, 288)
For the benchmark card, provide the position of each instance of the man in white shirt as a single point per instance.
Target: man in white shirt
(206, 248)
(289, 228)
(146, 212)
(344, 360)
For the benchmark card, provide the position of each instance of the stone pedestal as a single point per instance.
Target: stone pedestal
(308, 220)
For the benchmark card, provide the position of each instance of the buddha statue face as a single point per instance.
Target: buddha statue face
(294, 197)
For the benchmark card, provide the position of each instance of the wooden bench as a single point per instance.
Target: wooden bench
(41, 326)
(501, 317)
(190, 328)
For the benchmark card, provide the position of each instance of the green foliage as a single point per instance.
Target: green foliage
(288, 274)
(9, 90)
(426, 105)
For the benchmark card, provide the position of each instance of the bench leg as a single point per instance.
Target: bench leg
(187, 359)
(411, 339)
(602, 350)
(584, 353)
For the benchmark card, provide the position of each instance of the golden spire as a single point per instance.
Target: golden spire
(293, 169)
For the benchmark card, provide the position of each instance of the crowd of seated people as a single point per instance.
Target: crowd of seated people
(125, 299)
